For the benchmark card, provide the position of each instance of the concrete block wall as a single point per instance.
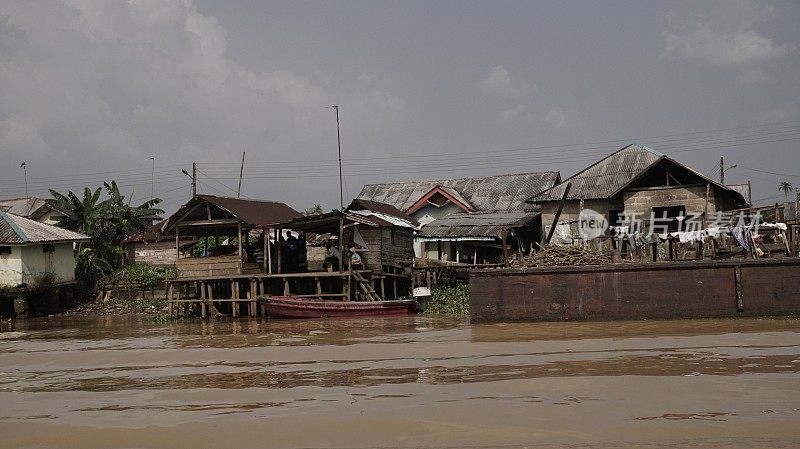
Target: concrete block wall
(643, 201)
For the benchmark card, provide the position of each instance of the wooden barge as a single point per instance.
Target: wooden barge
(664, 290)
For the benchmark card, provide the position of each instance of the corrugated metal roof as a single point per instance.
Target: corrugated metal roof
(477, 224)
(386, 218)
(605, 177)
(23, 207)
(16, 230)
(488, 193)
(388, 209)
(613, 173)
(253, 212)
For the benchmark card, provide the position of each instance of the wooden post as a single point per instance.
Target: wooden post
(503, 235)
(265, 249)
(239, 237)
(739, 300)
(705, 207)
(177, 244)
(235, 296)
(318, 285)
(170, 299)
(251, 303)
(558, 213)
(286, 290)
(203, 306)
(210, 295)
(278, 251)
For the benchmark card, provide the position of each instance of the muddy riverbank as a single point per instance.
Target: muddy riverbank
(125, 381)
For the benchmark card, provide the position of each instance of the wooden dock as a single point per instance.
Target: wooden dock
(236, 295)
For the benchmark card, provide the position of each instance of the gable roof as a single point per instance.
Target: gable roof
(256, 213)
(502, 192)
(610, 175)
(16, 230)
(451, 194)
(476, 224)
(32, 207)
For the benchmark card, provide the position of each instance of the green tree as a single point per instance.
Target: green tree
(785, 187)
(314, 210)
(108, 221)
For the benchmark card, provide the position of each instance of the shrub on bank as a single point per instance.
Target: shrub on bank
(452, 299)
(140, 274)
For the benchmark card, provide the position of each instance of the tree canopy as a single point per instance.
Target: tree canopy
(108, 219)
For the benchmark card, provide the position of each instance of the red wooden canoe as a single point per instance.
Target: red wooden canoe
(288, 307)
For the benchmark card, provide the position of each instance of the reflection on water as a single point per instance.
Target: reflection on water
(420, 382)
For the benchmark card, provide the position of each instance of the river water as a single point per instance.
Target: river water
(399, 382)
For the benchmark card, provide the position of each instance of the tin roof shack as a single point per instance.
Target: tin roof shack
(217, 220)
(426, 201)
(34, 208)
(480, 237)
(634, 180)
(152, 247)
(31, 251)
(382, 235)
(383, 238)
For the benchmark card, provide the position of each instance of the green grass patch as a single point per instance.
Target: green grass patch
(450, 300)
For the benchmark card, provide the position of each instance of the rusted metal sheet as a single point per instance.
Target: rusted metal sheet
(650, 291)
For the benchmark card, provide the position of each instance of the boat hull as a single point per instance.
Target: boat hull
(286, 307)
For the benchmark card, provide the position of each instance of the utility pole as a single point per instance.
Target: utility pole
(194, 179)
(241, 172)
(722, 169)
(152, 177)
(339, 142)
(341, 203)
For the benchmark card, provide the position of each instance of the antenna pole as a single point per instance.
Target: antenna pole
(194, 179)
(25, 170)
(241, 172)
(152, 177)
(339, 142)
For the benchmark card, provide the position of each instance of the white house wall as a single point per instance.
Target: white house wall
(60, 263)
(11, 268)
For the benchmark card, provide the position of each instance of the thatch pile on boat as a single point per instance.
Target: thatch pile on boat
(560, 256)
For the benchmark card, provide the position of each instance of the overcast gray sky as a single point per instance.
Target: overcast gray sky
(90, 90)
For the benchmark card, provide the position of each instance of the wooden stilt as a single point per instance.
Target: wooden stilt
(235, 296)
(170, 300)
(203, 307)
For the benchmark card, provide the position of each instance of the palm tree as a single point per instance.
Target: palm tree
(107, 222)
(785, 187)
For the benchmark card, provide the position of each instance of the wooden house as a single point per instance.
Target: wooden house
(488, 197)
(634, 181)
(152, 247)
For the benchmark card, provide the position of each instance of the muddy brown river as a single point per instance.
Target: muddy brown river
(399, 383)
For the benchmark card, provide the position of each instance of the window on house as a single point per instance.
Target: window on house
(48, 248)
(392, 236)
(5, 250)
(667, 216)
(615, 217)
